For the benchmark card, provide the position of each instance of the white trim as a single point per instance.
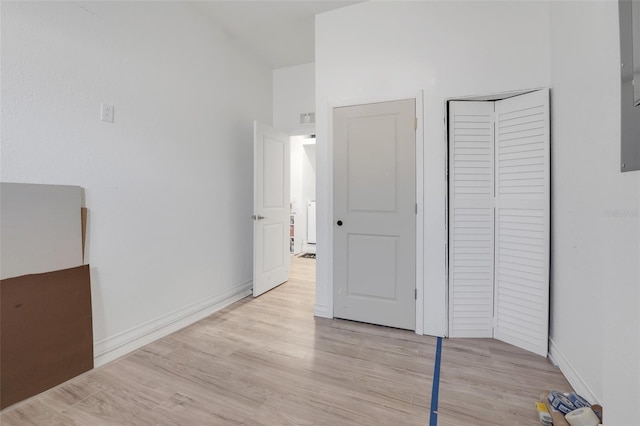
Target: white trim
(120, 344)
(420, 161)
(303, 130)
(495, 96)
(329, 218)
(574, 378)
(418, 96)
(322, 311)
(447, 308)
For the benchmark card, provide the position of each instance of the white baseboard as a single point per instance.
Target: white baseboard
(572, 375)
(322, 311)
(118, 345)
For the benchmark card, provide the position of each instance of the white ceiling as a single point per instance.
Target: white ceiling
(282, 33)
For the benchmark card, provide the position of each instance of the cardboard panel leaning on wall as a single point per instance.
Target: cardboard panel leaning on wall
(46, 334)
(40, 228)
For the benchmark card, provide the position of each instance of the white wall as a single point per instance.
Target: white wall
(448, 49)
(169, 184)
(293, 94)
(595, 299)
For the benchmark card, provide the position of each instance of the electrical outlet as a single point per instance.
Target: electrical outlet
(106, 113)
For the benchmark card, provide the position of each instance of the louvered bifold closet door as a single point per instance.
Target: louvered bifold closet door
(471, 231)
(522, 221)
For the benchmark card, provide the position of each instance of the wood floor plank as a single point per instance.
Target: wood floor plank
(268, 361)
(487, 382)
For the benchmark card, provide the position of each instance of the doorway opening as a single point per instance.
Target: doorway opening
(302, 232)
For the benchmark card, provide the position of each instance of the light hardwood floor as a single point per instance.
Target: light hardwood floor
(268, 361)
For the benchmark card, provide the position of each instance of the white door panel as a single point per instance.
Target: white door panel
(271, 261)
(522, 218)
(374, 200)
(471, 240)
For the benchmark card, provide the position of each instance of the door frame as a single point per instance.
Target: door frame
(418, 96)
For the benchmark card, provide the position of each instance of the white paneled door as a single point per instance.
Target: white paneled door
(374, 227)
(271, 186)
(499, 219)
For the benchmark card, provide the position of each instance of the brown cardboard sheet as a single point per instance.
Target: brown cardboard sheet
(46, 333)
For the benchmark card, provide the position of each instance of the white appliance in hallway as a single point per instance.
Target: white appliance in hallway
(311, 222)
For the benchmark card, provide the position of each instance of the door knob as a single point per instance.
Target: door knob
(339, 223)
(257, 217)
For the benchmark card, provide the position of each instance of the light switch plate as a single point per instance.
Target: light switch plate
(106, 113)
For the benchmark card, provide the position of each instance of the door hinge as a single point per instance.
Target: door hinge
(415, 123)
(416, 208)
(415, 295)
